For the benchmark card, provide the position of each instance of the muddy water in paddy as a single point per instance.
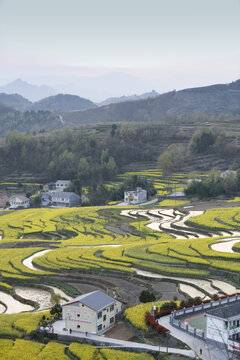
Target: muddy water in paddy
(42, 297)
(2, 309)
(14, 306)
(206, 285)
(225, 246)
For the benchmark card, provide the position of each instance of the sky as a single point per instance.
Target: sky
(168, 42)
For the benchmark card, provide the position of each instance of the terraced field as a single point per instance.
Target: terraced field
(38, 246)
(164, 241)
(163, 184)
(23, 349)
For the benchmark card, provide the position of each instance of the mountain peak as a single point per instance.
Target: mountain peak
(29, 91)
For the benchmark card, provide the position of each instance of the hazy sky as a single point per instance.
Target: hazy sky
(198, 40)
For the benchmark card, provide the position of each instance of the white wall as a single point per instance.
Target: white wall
(216, 330)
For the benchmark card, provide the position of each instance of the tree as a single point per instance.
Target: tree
(202, 140)
(111, 167)
(171, 160)
(83, 169)
(55, 299)
(146, 296)
(36, 201)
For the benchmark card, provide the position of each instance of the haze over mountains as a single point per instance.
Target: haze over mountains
(208, 100)
(28, 91)
(95, 88)
(57, 111)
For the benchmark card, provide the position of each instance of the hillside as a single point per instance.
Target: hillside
(114, 100)
(16, 101)
(62, 102)
(209, 100)
(27, 121)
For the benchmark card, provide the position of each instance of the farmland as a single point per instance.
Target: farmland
(99, 244)
(100, 248)
(24, 349)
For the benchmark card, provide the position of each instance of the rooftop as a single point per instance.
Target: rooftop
(63, 194)
(225, 311)
(96, 300)
(20, 197)
(66, 182)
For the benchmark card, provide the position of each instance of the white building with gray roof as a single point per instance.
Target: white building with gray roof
(62, 184)
(223, 325)
(93, 312)
(64, 199)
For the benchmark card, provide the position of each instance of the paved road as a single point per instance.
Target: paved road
(209, 352)
(140, 204)
(59, 325)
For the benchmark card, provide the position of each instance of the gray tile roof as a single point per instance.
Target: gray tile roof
(96, 300)
(63, 194)
(225, 311)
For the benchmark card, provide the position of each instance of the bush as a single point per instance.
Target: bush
(168, 306)
(146, 296)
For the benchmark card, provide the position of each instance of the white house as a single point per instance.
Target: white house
(223, 325)
(225, 173)
(62, 184)
(51, 186)
(65, 199)
(135, 196)
(93, 312)
(19, 201)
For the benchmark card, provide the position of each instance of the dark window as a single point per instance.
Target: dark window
(111, 307)
(111, 320)
(99, 327)
(104, 317)
(78, 326)
(99, 315)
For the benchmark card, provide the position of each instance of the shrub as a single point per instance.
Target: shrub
(146, 296)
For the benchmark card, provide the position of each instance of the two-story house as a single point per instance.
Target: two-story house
(223, 326)
(61, 185)
(135, 196)
(19, 201)
(93, 312)
(64, 199)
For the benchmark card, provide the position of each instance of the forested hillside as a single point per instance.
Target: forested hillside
(92, 154)
(16, 101)
(11, 119)
(64, 103)
(210, 100)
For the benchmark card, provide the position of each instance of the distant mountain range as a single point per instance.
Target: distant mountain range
(209, 100)
(57, 111)
(29, 91)
(16, 101)
(113, 84)
(58, 102)
(114, 100)
(63, 102)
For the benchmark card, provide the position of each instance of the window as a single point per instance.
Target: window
(111, 307)
(104, 317)
(78, 326)
(112, 320)
(99, 315)
(99, 327)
